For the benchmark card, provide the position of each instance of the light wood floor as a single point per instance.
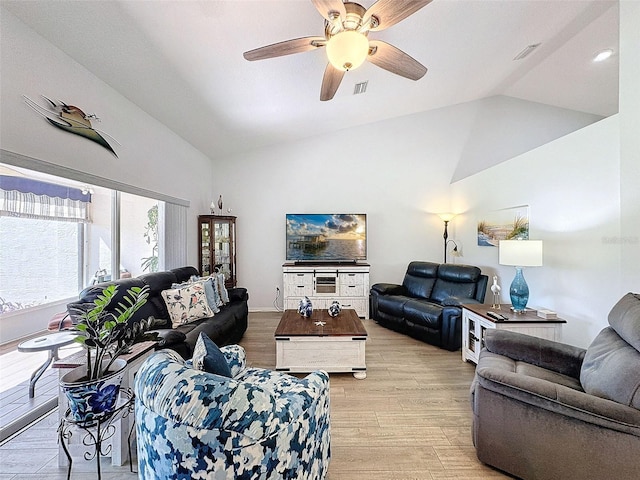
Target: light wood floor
(410, 419)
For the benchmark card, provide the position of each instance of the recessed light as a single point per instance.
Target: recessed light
(603, 55)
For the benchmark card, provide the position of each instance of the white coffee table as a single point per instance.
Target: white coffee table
(333, 344)
(51, 343)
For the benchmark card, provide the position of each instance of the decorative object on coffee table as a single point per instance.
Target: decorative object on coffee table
(305, 308)
(334, 309)
(93, 388)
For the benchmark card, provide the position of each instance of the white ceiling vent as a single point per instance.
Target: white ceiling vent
(360, 88)
(527, 50)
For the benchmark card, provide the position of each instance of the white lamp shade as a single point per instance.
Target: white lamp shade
(347, 50)
(446, 217)
(521, 253)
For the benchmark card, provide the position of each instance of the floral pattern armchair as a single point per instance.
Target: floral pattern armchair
(259, 424)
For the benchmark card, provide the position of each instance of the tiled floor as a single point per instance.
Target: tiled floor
(410, 419)
(33, 454)
(16, 408)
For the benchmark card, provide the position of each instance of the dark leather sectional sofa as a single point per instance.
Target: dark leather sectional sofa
(224, 328)
(427, 304)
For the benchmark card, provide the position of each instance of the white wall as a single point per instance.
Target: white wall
(396, 171)
(572, 187)
(504, 127)
(151, 156)
(630, 142)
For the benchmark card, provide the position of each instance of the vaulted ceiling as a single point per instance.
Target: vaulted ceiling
(181, 61)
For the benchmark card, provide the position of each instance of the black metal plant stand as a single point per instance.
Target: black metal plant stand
(97, 431)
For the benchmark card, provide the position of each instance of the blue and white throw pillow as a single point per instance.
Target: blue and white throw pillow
(208, 357)
(224, 295)
(216, 291)
(211, 294)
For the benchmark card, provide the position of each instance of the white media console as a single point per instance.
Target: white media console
(323, 283)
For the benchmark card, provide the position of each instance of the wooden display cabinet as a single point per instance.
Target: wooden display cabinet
(217, 246)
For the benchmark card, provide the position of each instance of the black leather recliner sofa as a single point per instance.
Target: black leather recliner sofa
(427, 304)
(224, 328)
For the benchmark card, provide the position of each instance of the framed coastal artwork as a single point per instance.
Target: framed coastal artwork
(506, 224)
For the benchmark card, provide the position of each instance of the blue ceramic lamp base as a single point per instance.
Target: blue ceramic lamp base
(519, 292)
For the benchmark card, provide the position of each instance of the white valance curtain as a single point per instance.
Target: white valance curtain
(28, 198)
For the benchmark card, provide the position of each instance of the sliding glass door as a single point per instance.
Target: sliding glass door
(58, 236)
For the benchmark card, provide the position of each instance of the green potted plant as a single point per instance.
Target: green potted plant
(105, 333)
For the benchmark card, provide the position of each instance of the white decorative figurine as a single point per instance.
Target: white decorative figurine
(495, 288)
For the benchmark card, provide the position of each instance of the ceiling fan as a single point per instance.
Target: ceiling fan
(346, 29)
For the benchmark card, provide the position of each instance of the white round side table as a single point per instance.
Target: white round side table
(46, 342)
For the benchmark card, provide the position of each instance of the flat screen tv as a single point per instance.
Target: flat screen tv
(326, 237)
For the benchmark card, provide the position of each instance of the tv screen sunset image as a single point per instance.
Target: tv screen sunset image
(331, 237)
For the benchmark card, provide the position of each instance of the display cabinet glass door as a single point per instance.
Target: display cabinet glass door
(217, 247)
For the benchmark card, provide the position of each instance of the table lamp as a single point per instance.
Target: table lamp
(520, 253)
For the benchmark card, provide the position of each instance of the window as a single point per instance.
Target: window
(139, 234)
(57, 237)
(39, 261)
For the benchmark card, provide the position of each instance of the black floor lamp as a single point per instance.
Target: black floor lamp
(446, 218)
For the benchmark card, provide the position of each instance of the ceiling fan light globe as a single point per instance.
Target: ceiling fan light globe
(347, 50)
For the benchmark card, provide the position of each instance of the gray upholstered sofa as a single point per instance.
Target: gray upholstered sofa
(546, 410)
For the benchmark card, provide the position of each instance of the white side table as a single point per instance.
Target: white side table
(118, 442)
(47, 342)
(475, 321)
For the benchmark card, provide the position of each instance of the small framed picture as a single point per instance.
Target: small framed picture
(505, 224)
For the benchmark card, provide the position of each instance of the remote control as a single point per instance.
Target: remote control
(496, 316)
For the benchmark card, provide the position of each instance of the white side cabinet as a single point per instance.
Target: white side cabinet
(475, 322)
(346, 283)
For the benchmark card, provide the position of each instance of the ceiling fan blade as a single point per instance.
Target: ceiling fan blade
(390, 12)
(330, 82)
(325, 7)
(288, 47)
(395, 60)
